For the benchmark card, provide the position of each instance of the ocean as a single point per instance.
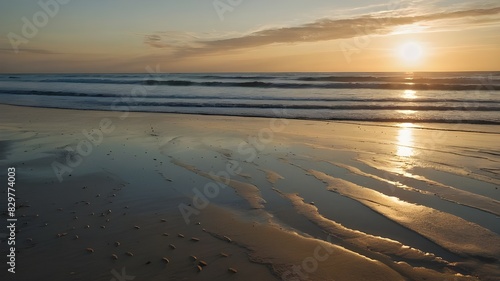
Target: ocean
(461, 97)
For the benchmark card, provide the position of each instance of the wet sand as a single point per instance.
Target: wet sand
(110, 195)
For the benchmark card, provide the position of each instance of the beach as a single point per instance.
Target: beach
(118, 195)
(241, 140)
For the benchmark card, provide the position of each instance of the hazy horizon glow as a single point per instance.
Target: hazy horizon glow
(249, 36)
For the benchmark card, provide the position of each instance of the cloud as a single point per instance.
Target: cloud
(29, 51)
(184, 45)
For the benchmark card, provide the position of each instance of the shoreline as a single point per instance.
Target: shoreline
(375, 122)
(244, 183)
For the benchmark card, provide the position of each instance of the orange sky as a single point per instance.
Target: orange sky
(252, 36)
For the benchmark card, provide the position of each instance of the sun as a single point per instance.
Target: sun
(411, 52)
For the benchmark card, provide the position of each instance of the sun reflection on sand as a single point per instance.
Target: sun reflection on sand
(405, 140)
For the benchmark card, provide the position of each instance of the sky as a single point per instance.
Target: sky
(127, 36)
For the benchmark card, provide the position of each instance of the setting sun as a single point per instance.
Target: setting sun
(411, 52)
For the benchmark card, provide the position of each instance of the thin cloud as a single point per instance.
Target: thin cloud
(30, 51)
(320, 30)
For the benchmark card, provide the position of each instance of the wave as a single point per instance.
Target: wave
(312, 107)
(417, 80)
(91, 81)
(385, 86)
(238, 77)
(428, 78)
(466, 102)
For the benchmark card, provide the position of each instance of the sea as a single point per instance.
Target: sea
(433, 97)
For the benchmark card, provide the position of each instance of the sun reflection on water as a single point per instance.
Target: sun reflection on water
(407, 112)
(409, 94)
